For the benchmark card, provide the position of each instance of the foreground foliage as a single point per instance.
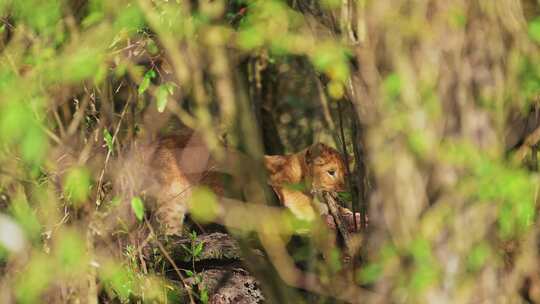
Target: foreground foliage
(434, 102)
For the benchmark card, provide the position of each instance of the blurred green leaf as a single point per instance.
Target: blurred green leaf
(334, 260)
(425, 272)
(478, 256)
(33, 281)
(250, 38)
(163, 93)
(15, 116)
(204, 296)
(534, 29)
(137, 206)
(26, 216)
(71, 252)
(82, 63)
(77, 185)
(34, 144)
(203, 204)
(345, 196)
(130, 18)
(107, 137)
(42, 16)
(119, 279)
(335, 89)
(369, 273)
(392, 86)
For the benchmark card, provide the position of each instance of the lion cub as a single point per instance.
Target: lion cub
(316, 168)
(169, 168)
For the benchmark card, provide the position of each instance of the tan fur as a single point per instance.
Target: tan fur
(180, 163)
(173, 165)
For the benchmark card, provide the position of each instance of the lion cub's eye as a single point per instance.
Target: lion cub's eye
(332, 172)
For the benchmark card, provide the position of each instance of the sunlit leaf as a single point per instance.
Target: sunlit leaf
(204, 296)
(198, 249)
(392, 86)
(34, 280)
(478, 256)
(26, 217)
(534, 29)
(163, 93)
(335, 90)
(137, 206)
(119, 279)
(70, 252)
(34, 144)
(145, 83)
(107, 137)
(77, 185)
(130, 18)
(203, 204)
(42, 16)
(369, 273)
(250, 38)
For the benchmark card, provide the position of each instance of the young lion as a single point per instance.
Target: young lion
(318, 167)
(173, 165)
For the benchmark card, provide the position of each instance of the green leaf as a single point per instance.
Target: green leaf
(119, 279)
(30, 283)
(34, 144)
(81, 64)
(162, 97)
(392, 86)
(198, 249)
(250, 38)
(345, 196)
(145, 83)
(42, 16)
(26, 217)
(478, 256)
(131, 18)
(369, 273)
(77, 185)
(137, 206)
(71, 252)
(108, 139)
(204, 296)
(534, 29)
(189, 273)
(203, 205)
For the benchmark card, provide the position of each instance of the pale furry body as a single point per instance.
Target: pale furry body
(172, 166)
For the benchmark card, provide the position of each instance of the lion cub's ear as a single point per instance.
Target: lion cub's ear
(316, 153)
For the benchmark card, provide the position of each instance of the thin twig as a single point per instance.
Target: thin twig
(109, 152)
(77, 118)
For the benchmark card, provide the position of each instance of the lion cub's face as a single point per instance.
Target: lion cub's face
(327, 168)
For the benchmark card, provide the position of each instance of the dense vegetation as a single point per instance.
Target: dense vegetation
(434, 103)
